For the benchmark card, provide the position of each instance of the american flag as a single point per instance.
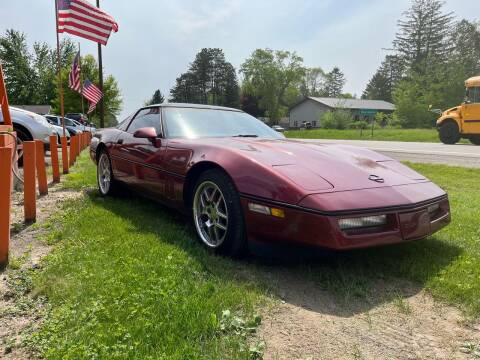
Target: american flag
(92, 94)
(74, 77)
(80, 18)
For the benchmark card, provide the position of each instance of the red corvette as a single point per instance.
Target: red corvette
(245, 183)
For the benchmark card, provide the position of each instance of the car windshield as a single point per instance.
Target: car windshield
(194, 123)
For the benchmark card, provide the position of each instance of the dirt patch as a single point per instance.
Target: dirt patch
(311, 323)
(19, 311)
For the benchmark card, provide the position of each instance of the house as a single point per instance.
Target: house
(311, 109)
(37, 109)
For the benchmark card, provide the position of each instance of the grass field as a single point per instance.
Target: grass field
(417, 135)
(127, 278)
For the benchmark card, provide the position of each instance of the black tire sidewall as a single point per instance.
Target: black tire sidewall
(449, 133)
(235, 241)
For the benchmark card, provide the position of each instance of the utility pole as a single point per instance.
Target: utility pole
(100, 81)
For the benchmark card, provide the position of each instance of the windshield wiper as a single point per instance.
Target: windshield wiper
(246, 135)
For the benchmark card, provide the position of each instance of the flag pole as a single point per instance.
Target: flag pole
(59, 69)
(100, 78)
(81, 76)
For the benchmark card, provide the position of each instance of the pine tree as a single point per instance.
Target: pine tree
(335, 81)
(210, 79)
(157, 98)
(422, 39)
(385, 80)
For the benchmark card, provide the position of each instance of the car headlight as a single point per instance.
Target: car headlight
(362, 222)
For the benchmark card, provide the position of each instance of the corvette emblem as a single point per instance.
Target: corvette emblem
(376, 178)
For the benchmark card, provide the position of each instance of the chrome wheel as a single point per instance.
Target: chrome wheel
(210, 214)
(104, 174)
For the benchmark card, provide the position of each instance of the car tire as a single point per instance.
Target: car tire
(475, 140)
(218, 215)
(105, 180)
(22, 136)
(449, 133)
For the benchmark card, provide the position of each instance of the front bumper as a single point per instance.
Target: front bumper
(312, 228)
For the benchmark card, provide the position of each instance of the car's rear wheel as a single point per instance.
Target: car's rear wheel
(475, 139)
(217, 214)
(105, 180)
(449, 133)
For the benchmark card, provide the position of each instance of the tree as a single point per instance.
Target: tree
(274, 77)
(313, 83)
(157, 98)
(210, 79)
(17, 64)
(384, 81)
(422, 39)
(335, 81)
(112, 98)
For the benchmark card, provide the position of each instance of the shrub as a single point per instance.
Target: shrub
(359, 125)
(336, 119)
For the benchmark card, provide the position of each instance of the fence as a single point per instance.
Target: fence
(35, 177)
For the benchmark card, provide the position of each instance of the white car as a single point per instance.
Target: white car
(59, 131)
(30, 126)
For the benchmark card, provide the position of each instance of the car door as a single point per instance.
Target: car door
(140, 161)
(471, 111)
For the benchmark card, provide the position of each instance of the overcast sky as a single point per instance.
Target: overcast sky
(157, 39)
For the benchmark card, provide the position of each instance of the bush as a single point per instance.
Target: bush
(336, 119)
(359, 125)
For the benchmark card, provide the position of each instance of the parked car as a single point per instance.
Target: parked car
(79, 117)
(84, 127)
(278, 128)
(30, 126)
(72, 127)
(59, 131)
(244, 183)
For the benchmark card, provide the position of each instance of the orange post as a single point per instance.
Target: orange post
(5, 200)
(41, 168)
(73, 141)
(7, 120)
(29, 186)
(64, 154)
(54, 158)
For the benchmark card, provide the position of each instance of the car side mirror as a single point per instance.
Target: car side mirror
(148, 133)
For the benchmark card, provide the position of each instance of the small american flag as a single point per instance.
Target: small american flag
(80, 18)
(92, 94)
(74, 77)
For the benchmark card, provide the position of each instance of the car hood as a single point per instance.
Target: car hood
(319, 168)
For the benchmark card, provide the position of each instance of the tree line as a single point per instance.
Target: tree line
(31, 76)
(273, 81)
(432, 55)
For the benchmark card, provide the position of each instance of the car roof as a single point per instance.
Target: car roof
(193, 106)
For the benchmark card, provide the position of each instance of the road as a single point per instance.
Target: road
(465, 155)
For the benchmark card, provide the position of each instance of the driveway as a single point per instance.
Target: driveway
(465, 155)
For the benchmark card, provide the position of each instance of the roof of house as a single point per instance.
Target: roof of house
(38, 109)
(352, 103)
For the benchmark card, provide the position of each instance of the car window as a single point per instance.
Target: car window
(124, 124)
(194, 123)
(149, 117)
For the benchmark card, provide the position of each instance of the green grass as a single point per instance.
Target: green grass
(128, 280)
(420, 135)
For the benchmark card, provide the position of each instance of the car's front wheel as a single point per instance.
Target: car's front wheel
(217, 213)
(105, 180)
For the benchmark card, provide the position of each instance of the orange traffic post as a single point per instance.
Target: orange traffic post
(72, 149)
(64, 154)
(29, 185)
(54, 158)
(79, 145)
(41, 167)
(6, 154)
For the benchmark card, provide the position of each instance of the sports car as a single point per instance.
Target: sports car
(245, 184)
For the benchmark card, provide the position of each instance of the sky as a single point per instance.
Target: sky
(158, 39)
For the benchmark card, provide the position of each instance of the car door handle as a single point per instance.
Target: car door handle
(120, 141)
